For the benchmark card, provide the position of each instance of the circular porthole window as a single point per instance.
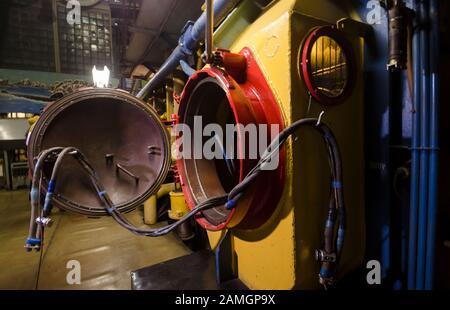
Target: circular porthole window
(327, 65)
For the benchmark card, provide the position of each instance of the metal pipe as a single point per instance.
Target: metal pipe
(209, 31)
(192, 34)
(56, 36)
(424, 144)
(188, 70)
(434, 145)
(415, 164)
(398, 22)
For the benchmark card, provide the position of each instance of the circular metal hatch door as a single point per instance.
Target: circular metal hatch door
(119, 134)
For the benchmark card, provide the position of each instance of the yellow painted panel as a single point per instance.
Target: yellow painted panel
(279, 255)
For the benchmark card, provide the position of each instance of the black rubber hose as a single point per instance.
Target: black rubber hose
(240, 188)
(35, 195)
(336, 196)
(207, 204)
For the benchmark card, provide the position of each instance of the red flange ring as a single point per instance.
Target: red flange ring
(307, 72)
(216, 96)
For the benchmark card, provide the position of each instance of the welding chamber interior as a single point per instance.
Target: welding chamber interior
(216, 177)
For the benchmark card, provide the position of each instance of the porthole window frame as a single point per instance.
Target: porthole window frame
(306, 70)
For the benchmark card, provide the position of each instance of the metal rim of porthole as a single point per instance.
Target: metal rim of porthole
(347, 69)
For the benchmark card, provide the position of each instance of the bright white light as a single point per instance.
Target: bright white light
(101, 78)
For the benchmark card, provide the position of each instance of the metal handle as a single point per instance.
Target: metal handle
(119, 168)
(209, 31)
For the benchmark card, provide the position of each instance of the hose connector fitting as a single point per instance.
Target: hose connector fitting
(44, 221)
(323, 257)
(33, 244)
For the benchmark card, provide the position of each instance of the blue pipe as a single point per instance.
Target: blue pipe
(187, 69)
(434, 146)
(424, 144)
(415, 164)
(192, 34)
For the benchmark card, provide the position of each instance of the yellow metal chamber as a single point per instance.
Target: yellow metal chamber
(280, 254)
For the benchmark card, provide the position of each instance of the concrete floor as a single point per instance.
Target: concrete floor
(107, 252)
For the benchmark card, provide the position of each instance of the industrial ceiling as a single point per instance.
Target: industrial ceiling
(156, 30)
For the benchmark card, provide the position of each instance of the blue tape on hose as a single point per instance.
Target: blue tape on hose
(48, 202)
(34, 195)
(340, 238)
(33, 241)
(111, 210)
(48, 197)
(326, 273)
(329, 224)
(102, 193)
(51, 186)
(336, 184)
(230, 204)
